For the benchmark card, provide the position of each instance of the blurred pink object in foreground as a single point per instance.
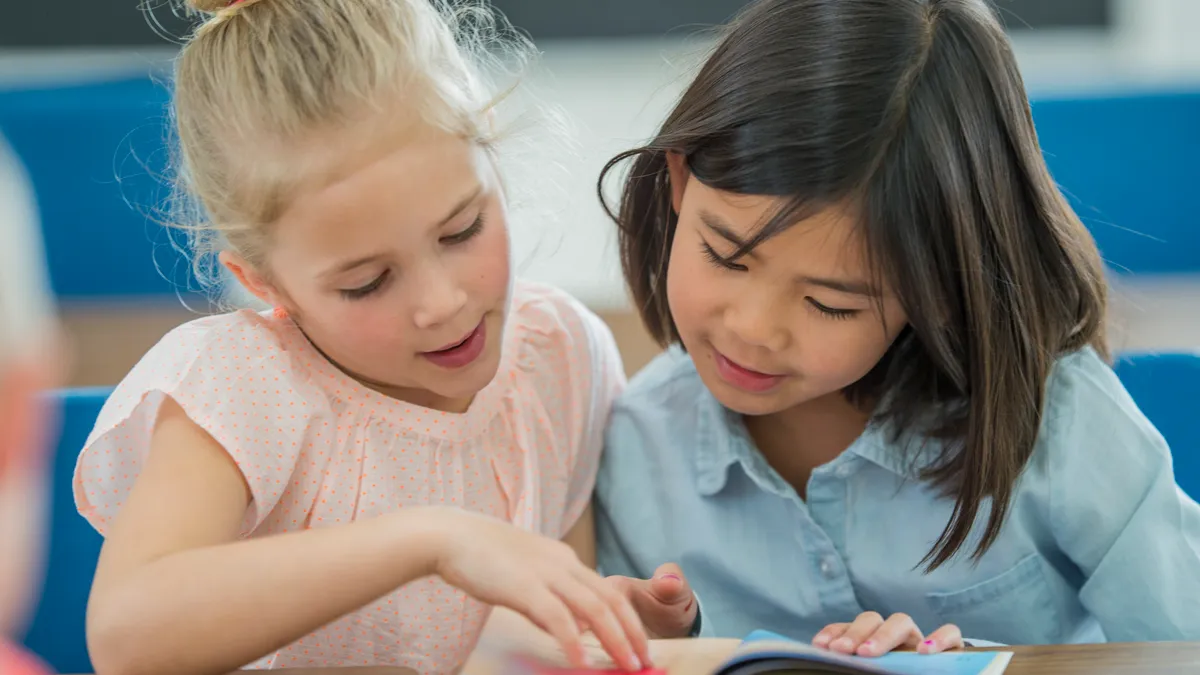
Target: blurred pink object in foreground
(27, 357)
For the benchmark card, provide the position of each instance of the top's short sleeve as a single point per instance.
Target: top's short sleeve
(1115, 509)
(234, 378)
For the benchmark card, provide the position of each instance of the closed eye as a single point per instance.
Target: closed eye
(367, 289)
(465, 235)
(833, 312)
(719, 261)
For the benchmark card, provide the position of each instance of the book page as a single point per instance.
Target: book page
(510, 636)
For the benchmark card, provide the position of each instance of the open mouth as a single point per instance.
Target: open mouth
(461, 353)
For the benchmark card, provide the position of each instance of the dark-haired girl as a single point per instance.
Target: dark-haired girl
(886, 393)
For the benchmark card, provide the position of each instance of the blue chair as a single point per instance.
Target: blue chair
(97, 155)
(57, 632)
(1127, 162)
(1167, 389)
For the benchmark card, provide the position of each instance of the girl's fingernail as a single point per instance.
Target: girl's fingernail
(637, 663)
(929, 643)
(671, 576)
(844, 643)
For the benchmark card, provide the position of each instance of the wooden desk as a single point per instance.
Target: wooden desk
(1143, 658)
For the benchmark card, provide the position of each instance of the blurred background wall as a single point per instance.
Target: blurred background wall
(1115, 85)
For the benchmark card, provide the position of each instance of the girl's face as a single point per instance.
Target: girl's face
(399, 271)
(795, 320)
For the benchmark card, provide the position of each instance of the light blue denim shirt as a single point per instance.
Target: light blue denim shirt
(1100, 543)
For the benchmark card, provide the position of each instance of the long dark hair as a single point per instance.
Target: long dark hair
(915, 110)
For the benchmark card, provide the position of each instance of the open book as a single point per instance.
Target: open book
(513, 646)
(763, 653)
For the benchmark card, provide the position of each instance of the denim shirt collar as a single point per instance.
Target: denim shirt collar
(721, 440)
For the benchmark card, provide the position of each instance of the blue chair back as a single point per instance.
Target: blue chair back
(1127, 163)
(97, 155)
(57, 632)
(1167, 389)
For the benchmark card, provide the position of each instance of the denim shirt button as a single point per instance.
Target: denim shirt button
(828, 567)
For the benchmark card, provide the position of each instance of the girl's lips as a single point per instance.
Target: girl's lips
(462, 353)
(742, 377)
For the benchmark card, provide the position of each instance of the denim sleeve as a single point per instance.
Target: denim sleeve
(628, 497)
(1115, 509)
(617, 501)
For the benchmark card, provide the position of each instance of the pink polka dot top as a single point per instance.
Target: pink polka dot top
(317, 449)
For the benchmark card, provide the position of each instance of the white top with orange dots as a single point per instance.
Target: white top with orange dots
(318, 449)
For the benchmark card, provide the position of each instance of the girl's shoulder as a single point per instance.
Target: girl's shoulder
(558, 346)
(560, 358)
(221, 354)
(245, 378)
(561, 375)
(1091, 424)
(1082, 381)
(543, 312)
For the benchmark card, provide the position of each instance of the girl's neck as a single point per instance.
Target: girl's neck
(797, 440)
(417, 397)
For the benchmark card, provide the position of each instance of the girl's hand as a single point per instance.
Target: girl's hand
(544, 580)
(870, 635)
(665, 602)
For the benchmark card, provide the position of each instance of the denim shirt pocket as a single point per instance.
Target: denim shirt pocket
(1014, 607)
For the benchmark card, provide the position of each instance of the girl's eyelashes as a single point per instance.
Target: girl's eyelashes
(367, 289)
(465, 235)
(719, 261)
(460, 237)
(722, 262)
(833, 312)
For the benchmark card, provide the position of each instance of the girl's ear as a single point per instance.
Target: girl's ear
(677, 172)
(251, 279)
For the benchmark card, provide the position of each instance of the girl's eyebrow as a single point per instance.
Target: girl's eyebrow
(854, 287)
(719, 227)
(461, 205)
(842, 286)
(348, 265)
